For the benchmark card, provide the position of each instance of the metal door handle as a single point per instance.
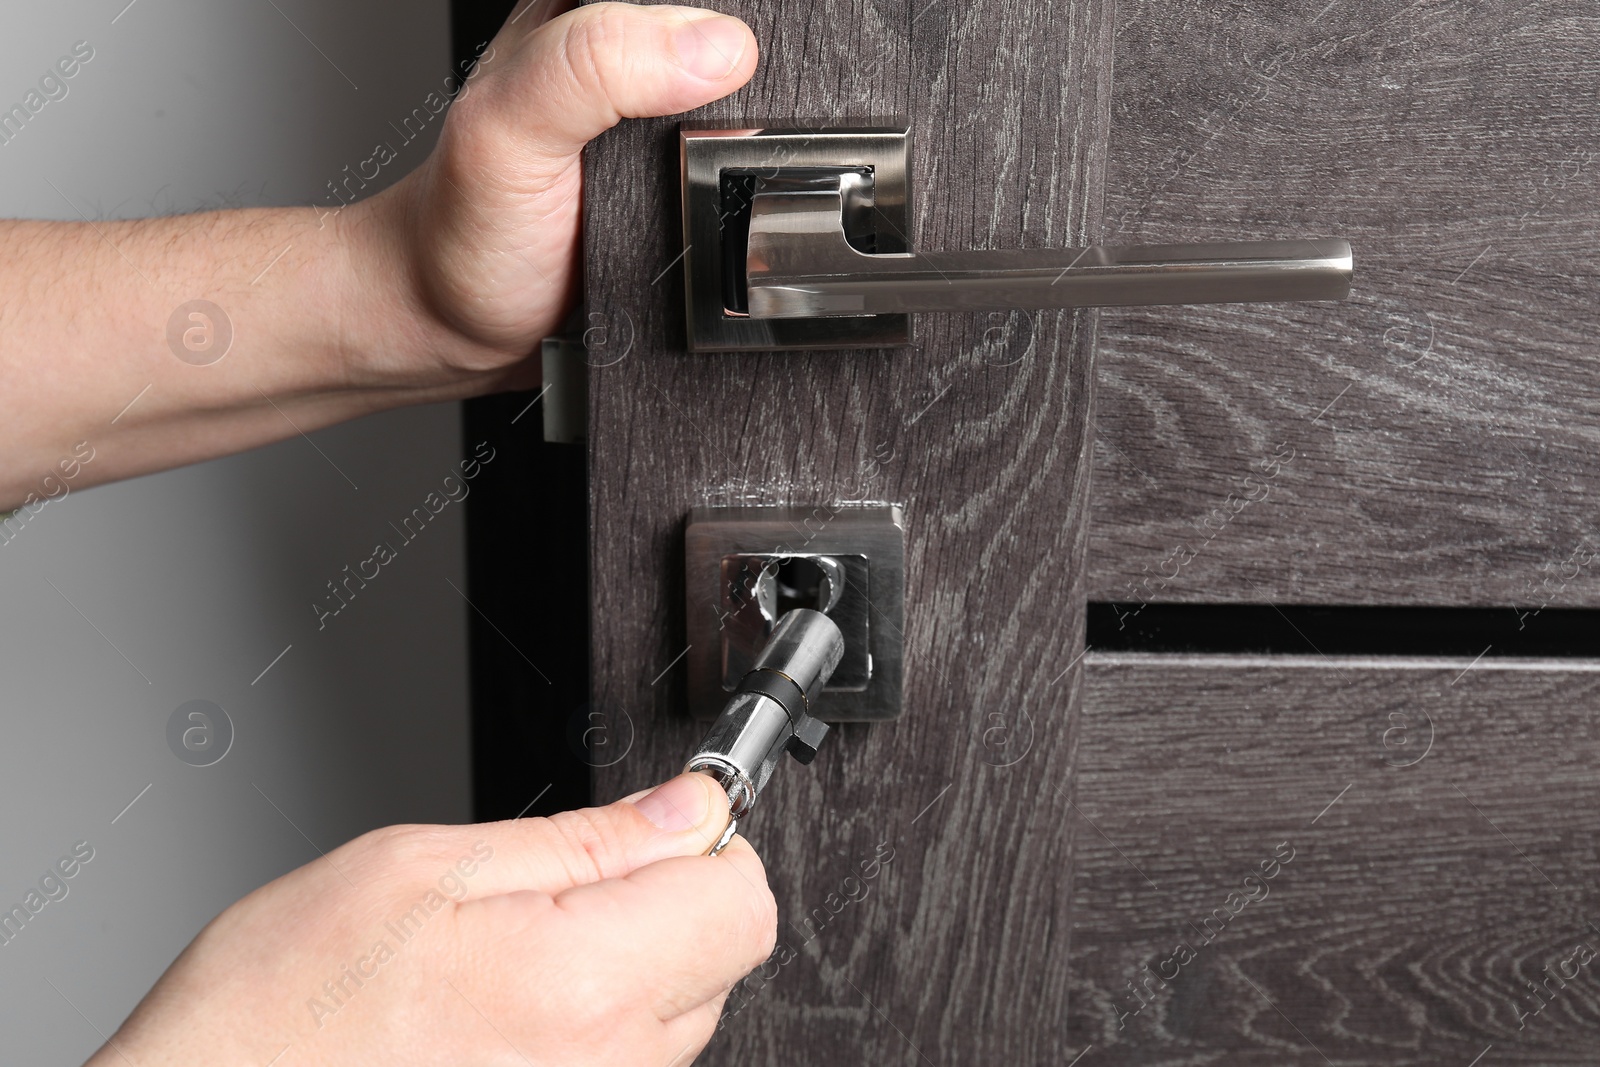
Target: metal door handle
(801, 264)
(797, 239)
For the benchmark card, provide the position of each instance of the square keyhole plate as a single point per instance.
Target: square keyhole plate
(724, 552)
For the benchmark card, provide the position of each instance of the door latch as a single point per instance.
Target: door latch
(797, 239)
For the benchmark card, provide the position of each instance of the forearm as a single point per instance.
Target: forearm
(98, 356)
(439, 287)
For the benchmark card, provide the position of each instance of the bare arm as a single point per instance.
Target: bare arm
(438, 288)
(95, 391)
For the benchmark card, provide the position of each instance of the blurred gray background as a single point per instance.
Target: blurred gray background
(187, 585)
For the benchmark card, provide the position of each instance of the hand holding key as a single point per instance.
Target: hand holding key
(596, 937)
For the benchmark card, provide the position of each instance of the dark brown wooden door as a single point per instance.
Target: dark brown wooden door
(958, 951)
(1436, 476)
(1056, 821)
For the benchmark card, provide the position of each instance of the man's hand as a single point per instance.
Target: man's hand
(491, 220)
(438, 288)
(597, 937)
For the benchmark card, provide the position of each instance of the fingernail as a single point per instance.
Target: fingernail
(677, 805)
(711, 47)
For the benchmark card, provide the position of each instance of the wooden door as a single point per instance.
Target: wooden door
(1047, 823)
(956, 950)
(1386, 509)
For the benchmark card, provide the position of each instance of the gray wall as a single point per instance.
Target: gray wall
(190, 583)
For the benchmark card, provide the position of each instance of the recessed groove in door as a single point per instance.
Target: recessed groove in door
(1521, 632)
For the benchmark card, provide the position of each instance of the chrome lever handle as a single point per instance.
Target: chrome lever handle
(800, 264)
(795, 238)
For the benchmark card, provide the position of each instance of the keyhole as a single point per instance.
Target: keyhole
(814, 582)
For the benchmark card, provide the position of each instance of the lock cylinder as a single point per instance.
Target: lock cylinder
(772, 710)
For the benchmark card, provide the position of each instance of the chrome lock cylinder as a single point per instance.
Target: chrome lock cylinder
(772, 711)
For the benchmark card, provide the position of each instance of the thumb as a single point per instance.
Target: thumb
(579, 74)
(682, 817)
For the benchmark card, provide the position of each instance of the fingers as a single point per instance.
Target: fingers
(679, 932)
(689, 1034)
(578, 74)
(663, 940)
(682, 817)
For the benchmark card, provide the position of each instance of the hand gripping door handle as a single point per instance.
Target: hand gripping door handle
(796, 238)
(801, 264)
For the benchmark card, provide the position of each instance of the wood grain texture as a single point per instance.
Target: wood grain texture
(1445, 420)
(1416, 907)
(957, 953)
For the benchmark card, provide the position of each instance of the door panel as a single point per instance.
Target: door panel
(1429, 442)
(958, 952)
(1442, 831)
(1444, 423)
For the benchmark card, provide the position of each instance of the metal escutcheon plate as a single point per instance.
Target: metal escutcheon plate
(873, 604)
(718, 165)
